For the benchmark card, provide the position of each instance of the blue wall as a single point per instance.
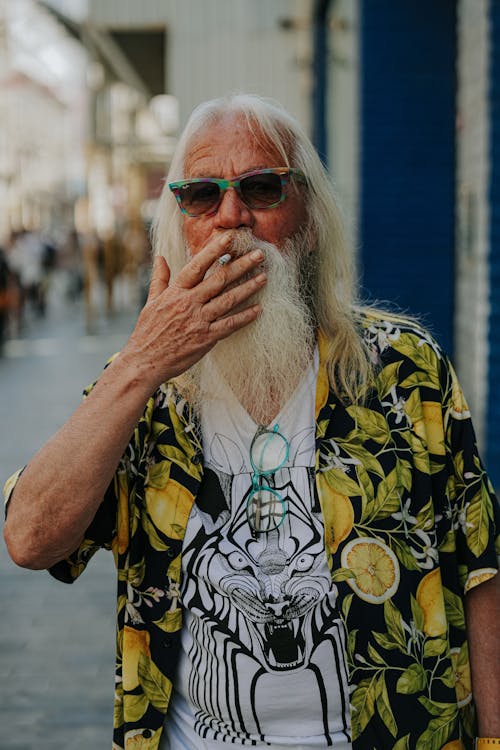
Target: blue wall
(408, 55)
(493, 406)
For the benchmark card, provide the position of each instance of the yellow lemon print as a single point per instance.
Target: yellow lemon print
(430, 598)
(338, 514)
(479, 576)
(376, 569)
(169, 508)
(459, 408)
(135, 643)
(141, 739)
(463, 684)
(454, 745)
(430, 427)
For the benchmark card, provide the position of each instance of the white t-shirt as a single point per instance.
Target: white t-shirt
(263, 647)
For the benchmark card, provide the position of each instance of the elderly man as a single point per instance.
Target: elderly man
(303, 531)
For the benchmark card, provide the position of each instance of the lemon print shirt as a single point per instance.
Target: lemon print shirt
(410, 525)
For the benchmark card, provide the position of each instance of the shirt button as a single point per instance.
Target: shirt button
(147, 733)
(166, 643)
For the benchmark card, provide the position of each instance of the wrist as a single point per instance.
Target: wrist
(135, 372)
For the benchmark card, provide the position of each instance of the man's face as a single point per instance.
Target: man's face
(227, 150)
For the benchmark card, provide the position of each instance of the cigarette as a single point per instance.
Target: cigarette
(224, 259)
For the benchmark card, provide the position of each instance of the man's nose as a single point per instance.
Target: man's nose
(232, 212)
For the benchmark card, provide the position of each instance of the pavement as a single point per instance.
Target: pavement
(57, 641)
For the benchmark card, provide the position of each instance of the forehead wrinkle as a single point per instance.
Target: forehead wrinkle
(205, 144)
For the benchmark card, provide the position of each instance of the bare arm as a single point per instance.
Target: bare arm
(59, 492)
(482, 608)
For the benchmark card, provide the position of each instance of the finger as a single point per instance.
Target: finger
(194, 271)
(226, 326)
(159, 278)
(229, 274)
(224, 303)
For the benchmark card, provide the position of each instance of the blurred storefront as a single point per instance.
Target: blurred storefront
(42, 101)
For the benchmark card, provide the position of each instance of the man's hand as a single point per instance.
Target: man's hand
(182, 321)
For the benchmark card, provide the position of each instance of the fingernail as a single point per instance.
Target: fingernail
(257, 255)
(260, 278)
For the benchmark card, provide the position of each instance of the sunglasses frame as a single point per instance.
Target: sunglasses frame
(284, 173)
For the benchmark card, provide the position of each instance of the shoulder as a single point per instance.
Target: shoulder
(389, 336)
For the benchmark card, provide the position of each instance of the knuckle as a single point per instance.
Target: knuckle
(197, 266)
(230, 298)
(222, 276)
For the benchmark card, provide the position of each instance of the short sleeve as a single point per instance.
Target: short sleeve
(99, 535)
(473, 507)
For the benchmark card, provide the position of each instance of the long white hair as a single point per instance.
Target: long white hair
(335, 304)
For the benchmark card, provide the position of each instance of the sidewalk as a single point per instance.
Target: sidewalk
(57, 641)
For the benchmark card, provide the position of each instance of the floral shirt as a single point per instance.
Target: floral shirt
(410, 525)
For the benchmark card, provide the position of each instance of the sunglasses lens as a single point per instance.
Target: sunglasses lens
(198, 198)
(261, 190)
(266, 509)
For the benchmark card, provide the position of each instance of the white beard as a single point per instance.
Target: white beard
(264, 362)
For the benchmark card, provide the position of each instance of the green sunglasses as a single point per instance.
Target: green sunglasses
(261, 188)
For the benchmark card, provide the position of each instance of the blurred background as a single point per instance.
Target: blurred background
(401, 98)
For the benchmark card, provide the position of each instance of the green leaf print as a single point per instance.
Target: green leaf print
(454, 609)
(439, 731)
(394, 624)
(170, 621)
(435, 708)
(413, 407)
(156, 686)
(412, 680)
(387, 378)
(136, 707)
(158, 475)
(384, 707)
(388, 643)
(181, 438)
(426, 379)
(422, 354)
(448, 544)
(387, 500)
(448, 677)
(363, 705)
(435, 646)
(179, 457)
(341, 483)
(355, 448)
(153, 537)
(403, 743)
(342, 574)
(371, 423)
(478, 512)
(346, 605)
(417, 614)
(374, 655)
(403, 553)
